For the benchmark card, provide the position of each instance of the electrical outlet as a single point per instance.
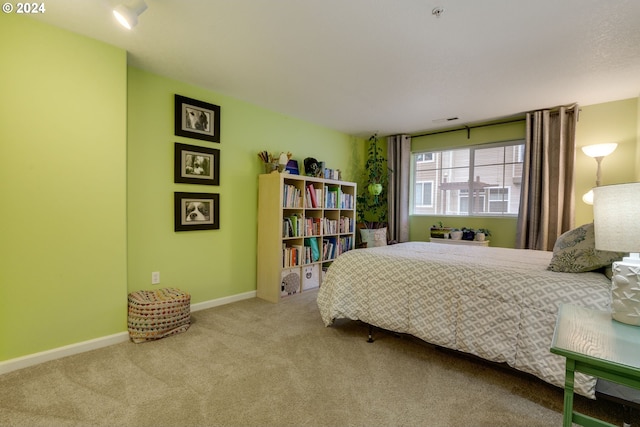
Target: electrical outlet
(155, 277)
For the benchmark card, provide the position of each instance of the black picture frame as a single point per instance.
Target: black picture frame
(196, 211)
(197, 119)
(196, 165)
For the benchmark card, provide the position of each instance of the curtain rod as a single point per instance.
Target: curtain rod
(468, 128)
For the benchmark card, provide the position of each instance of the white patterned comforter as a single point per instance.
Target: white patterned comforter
(496, 303)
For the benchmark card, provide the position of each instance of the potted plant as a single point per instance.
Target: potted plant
(456, 234)
(372, 199)
(439, 231)
(482, 233)
(375, 166)
(468, 233)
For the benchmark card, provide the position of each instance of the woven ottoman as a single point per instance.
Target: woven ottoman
(158, 313)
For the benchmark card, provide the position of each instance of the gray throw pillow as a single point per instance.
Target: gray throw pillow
(575, 252)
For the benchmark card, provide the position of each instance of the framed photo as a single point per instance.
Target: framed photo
(196, 211)
(197, 119)
(196, 165)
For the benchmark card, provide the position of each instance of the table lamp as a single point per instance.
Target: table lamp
(616, 217)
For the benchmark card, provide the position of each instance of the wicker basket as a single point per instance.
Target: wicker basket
(158, 313)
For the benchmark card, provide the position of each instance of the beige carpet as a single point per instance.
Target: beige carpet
(253, 363)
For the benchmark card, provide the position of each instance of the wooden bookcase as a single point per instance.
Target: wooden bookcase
(303, 224)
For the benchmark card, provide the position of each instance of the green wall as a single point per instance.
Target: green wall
(62, 186)
(212, 263)
(86, 166)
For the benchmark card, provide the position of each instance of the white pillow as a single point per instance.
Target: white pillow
(374, 237)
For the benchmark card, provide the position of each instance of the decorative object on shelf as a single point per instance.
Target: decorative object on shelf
(196, 211)
(468, 234)
(283, 160)
(292, 167)
(455, 234)
(616, 228)
(439, 231)
(270, 163)
(196, 165)
(372, 200)
(197, 119)
(482, 234)
(312, 167)
(598, 152)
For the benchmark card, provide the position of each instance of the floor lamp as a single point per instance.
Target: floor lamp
(598, 152)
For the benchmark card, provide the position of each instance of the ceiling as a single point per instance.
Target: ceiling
(386, 66)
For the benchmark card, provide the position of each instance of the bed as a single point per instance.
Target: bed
(496, 303)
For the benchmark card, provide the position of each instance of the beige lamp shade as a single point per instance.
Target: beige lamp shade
(616, 211)
(599, 150)
(616, 216)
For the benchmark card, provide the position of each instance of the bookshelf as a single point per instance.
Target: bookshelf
(303, 224)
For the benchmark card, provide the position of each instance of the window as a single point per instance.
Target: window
(480, 180)
(424, 193)
(424, 157)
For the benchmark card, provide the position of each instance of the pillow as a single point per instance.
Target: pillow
(575, 252)
(374, 237)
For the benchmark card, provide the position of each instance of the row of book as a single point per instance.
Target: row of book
(333, 198)
(334, 246)
(295, 255)
(291, 196)
(335, 226)
(298, 226)
(336, 199)
(314, 196)
(332, 173)
(300, 254)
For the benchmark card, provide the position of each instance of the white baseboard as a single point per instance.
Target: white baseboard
(222, 301)
(60, 352)
(81, 347)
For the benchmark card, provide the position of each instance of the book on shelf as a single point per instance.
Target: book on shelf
(292, 226)
(329, 226)
(292, 255)
(291, 196)
(312, 226)
(346, 201)
(312, 196)
(346, 224)
(314, 250)
(329, 248)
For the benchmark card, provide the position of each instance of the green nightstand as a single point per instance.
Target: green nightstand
(597, 345)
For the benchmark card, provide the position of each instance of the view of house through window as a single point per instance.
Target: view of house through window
(481, 180)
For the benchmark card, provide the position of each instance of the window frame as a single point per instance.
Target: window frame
(431, 185)
(511, 163)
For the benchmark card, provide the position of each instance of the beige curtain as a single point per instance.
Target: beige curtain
(546, 199)
(399, 164)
